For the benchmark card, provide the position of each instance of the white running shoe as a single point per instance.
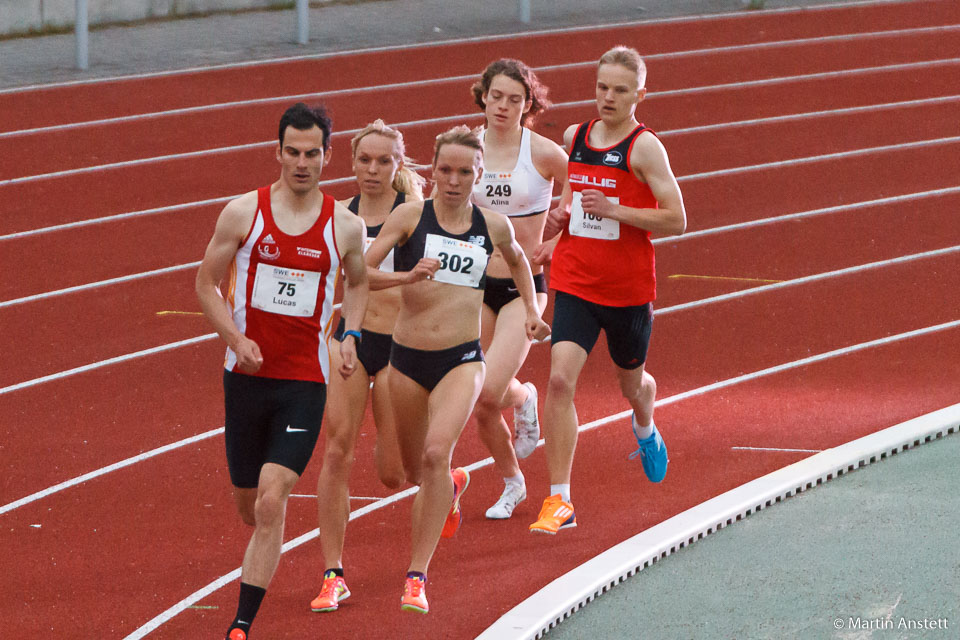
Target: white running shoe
(513, 494)
(526, 424)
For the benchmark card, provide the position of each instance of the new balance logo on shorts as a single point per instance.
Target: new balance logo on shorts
(469, 355)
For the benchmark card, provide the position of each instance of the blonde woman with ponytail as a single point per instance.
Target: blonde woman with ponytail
(386, 179)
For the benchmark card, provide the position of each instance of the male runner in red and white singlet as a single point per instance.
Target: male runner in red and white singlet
(619, 189)
(278, 251)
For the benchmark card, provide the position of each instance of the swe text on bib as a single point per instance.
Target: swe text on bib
(461, 263)
(589, 226)
(288, 292)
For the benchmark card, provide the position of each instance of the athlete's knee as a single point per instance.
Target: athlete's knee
(435, 458)
(338, 455)
(488, 410)
(271, 506)
(561, 387)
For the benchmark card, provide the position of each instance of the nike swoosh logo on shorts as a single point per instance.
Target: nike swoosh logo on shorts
(292, 430)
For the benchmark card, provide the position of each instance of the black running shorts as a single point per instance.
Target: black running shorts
(269, 420)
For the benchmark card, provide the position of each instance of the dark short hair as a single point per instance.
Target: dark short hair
(304, 117)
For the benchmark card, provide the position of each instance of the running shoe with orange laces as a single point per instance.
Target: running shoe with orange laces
(415, 595)
(555, 515)
(333, 590)
(461, 480)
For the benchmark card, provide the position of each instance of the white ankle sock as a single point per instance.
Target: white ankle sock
(517, 480)
(642, 432)
(562, 489)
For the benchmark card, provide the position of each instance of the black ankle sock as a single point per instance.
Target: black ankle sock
(336, 572)
(417, 574)
(247, 606)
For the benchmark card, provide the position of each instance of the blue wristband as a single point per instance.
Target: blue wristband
(355, 334)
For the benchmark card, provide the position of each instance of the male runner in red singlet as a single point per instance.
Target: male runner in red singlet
(278, 251)
(620, 188)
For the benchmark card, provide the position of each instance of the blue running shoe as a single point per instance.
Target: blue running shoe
(652, 452)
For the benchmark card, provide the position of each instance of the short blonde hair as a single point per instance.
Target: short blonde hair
(626, 57)
(407, 180)
(462, 135)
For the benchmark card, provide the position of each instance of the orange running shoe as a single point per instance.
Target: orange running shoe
(415, 596)
(461, 480)
(237, 634)
(334, 590)
(555, 515)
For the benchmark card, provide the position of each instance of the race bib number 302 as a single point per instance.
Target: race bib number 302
(461, 263)
(584, 225)
(288, 292)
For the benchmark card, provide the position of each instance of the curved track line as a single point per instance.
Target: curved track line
(826, 156)
(428, 45)
(436, 80)
(474, 115)
(657, 312)
(116, 466)
(807, 214)
(550, 605)
(807, 279)
(103, 363)
(657, 241)
(195, 597)
(224, 199)
(100, 283)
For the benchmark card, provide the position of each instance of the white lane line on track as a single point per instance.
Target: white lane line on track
(195, 597)
(428, 45)
(842, 208)
(807, 279)
(320, 95)
(827, 156)
(146, 455)
(776, 449)
(659, 312)
(104, 363)
(100, 283)
(577, 103)
(177, 208)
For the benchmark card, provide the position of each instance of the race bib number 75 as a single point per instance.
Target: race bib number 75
(461, 263)
(288, 292)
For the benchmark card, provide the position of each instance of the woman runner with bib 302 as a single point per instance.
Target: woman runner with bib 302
(520, 169)
(385, 181)
(620, 188)
(437, 361)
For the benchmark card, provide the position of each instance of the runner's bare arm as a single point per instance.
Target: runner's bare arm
(351, 233)
(559, 217)
(501, 234)
(397, 228)
(649, 162)
(232, 227)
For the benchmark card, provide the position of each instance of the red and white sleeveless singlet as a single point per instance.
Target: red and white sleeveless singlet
(281, 294)
(602, 260)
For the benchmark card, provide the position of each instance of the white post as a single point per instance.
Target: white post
(82, 32)
(523, 6)
(303, 21)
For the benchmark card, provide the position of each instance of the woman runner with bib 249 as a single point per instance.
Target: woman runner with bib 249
(619, 189)
(520, 169)
(436, 360)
